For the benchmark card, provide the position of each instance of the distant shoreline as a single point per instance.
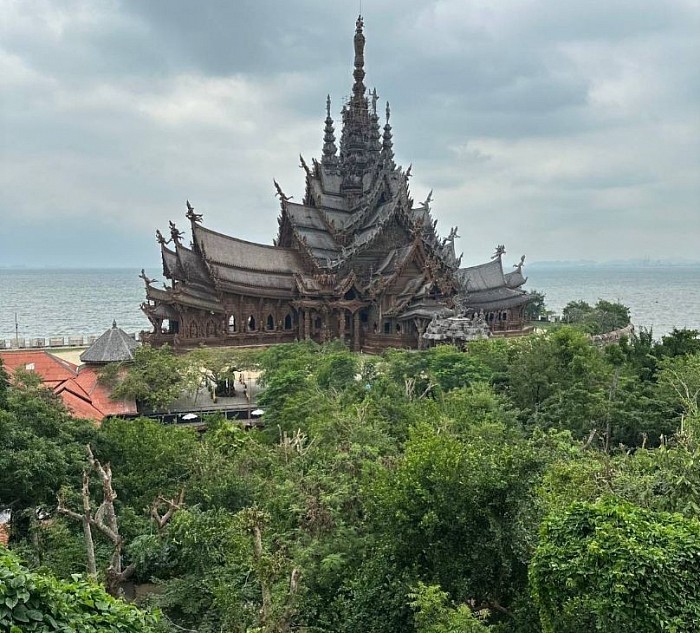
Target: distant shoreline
(536, 265)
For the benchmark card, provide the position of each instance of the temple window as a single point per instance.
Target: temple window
(350, 294)
(288, 322)
(270, 322)
(398, 328)
(387, 327)
(231, 324)
(251, 323)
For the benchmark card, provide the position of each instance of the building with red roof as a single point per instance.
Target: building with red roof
(79, 387)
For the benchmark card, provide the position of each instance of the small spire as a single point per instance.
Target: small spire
(114, 324)
(329, 157)
(387, 143)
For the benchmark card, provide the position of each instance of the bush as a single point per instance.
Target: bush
(31, 602)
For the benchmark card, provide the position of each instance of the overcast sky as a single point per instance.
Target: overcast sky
(563, 129)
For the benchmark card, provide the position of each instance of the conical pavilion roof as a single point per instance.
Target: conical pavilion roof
(114, 346)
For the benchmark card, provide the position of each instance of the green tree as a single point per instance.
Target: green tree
(616, 568)
(434, 614)
(535, 307)
(156, 377)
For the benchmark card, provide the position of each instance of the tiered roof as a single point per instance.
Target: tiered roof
(357, 218)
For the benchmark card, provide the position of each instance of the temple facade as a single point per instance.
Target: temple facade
(356, 259)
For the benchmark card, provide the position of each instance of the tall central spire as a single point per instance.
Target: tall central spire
(358, 89)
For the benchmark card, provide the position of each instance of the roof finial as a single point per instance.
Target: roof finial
(114, 323)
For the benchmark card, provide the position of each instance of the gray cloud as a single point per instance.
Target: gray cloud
(566, 130)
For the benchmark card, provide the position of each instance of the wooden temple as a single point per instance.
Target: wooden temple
(354, 260)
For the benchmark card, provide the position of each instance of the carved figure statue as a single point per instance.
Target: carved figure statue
(500, 250)
(519, 265)
(160, 239)
(408, 171)
(191, 215)
(450, 239)
(304, 166)
(175, 234)
(425, 205)
(146, 279)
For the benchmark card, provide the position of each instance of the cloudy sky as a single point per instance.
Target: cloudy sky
(564, 129)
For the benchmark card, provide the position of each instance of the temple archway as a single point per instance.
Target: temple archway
(251, 323)
(270, 325)
(231, 324)
(288, 322)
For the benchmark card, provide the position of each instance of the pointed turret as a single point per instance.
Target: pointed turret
(387, 143)
(329, 159)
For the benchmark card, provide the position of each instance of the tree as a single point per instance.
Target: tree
(616, 568)
(535, 307)
(40, 450)
(679, 343)
(434, 614)
(156, 377)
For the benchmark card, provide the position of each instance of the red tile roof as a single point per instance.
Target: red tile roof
(79, 388)
(52, 369)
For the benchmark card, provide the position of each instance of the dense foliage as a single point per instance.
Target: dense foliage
(36, 603)
(523, 486)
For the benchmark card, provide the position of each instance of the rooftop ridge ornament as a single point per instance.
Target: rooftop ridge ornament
(161, 240)
(191, 215)
(500, 251)
(175, 234)
(280, 194)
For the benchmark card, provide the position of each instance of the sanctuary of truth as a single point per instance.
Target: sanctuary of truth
(355, 260)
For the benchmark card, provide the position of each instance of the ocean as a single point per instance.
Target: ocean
(77, 302)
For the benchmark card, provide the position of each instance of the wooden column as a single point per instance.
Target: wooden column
(324, 324)
(356, 331)
(341, 324)
(300, 323)
(307, 324)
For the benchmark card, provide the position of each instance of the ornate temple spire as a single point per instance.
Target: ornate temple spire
(329, 158)
(355, 157)
(387, 143)
(358, 89)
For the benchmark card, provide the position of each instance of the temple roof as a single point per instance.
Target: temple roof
(482, 276)
(236, 253)
(114, 346)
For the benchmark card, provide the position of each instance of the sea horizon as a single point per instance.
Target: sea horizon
(72, 301)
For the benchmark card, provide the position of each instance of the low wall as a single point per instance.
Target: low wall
(51, 341)
(612, 337)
